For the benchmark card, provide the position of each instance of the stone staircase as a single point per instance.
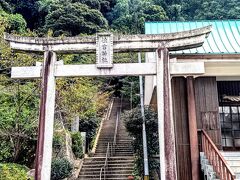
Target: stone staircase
(207, 168)
(233, 159)
(121, 164)
(124, 142)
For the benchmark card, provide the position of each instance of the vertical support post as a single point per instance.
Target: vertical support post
(46, 119)
(75, 124)
(192, 121)
(145, 152)
(167, 150)
(83, 134)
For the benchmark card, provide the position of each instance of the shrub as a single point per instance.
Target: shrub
(58, 142)
(6, 152)
(77, 144)
(90, 126)
(61, 168)
(11, 171)
(133, 122)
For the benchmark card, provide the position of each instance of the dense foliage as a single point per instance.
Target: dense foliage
(10, 171)
(133, 123)
(61, 168)
(73, 17)
(77, 144)
(18, 125)
(89, 126)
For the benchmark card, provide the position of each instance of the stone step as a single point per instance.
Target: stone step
(110, 162)
(107, 178)
(233, 162)
(116, 154)
(110, 171)
(122, 164)
(110, 158)
(122, 154)
(230, 158)
(102, 150)
(235, 169)
(230, 154)
(90, 168)
(124, 148)
(237, 175)
(117, 146)
(125, 165)
(207, 169)
(110, 176)
(233, 159)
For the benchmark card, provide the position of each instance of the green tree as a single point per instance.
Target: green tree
(28, 9)
(4, 5)
(128, 16)
(73, 19)
(14, 22)
(19, 104)
(218, 9)
(93, 4)
(200, 9)
(43, 7)
(76, 97)
(18, 124)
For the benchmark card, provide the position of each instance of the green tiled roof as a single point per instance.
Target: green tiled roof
(224, 38)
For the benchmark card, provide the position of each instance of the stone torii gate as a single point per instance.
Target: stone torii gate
(105, 44)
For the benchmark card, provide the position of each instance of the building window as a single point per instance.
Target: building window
(230, 125)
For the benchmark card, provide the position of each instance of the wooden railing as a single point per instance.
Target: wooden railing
(215, 158)
(104, 169)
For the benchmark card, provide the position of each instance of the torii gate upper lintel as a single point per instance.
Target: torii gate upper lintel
(104, 44)
(121, 43)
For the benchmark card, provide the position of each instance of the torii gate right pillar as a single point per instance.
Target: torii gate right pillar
(168, 168)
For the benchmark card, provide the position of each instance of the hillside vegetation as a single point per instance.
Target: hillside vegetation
(83, 97)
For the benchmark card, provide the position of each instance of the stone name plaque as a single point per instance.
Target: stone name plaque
(104, 50)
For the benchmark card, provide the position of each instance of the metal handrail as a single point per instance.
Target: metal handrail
(111, 147)
(105, 166)
(215, 158)
(115, 134)
(116, 127)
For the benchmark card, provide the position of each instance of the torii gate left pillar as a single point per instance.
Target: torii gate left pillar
(46, 118)
(50, 70)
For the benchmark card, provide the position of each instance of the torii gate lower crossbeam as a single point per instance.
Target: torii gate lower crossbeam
(163, 69)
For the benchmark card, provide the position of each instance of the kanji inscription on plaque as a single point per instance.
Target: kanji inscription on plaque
(104, 50)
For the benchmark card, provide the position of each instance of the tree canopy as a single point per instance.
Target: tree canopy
(73, 19)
